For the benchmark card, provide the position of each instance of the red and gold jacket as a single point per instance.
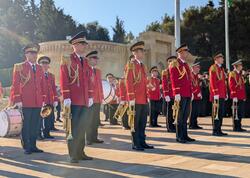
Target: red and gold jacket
(122, 90)
(217, 82)
(154, 92)
(50, 89)
(136, 82)
(117, 93)
(76, 80)
(196, 87)
(27, 85)
(237, 85)
(97, 86)
(180, 76)
(166, 84)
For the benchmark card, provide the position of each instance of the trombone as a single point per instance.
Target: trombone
(215, 112)
(120, 111)
(235, 111)
(131, 117)
(67, 122)
(176, 109)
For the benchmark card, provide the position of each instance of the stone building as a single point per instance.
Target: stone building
(114, 56)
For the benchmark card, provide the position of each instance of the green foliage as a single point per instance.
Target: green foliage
(119, 31)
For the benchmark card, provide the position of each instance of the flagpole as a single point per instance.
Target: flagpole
(177, 23)
(227, 36)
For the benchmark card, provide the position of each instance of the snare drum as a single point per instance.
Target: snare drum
(108, 91)
(10, 123)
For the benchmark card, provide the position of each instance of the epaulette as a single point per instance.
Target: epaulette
(18, 67)
(164, 72)
(232, 74)
(130, 65)
(213, 68)
(174, 63)
(65, 59)
(149, 78)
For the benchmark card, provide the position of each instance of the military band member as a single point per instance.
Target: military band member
(168, 95)
(180, 75)
(77, 92)
(154, 96)
(28, 95)
(51, 99)
(197, 96)
(237, 94)
(218, 92)
(136, 84)
(92, 132)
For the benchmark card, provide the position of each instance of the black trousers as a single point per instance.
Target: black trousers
(169, 115)
(218, 123)
(80, 123)
(181, 126)
(196, 105)
(30, 129)
(58, 111)
(140, 122)
(241, 111)
(111, 112)
(155, 108)
(92, 130)
(48, 123)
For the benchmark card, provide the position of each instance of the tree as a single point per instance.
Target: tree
(119, 31)
(129, 37)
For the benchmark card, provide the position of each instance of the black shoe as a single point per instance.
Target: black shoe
(72, 160)
(40, 137)
(157, 125)
(242, 130)
(101, 124)
(190, 139)
(55, 129)
(216, 134)
(181, 140)
(27, 152)
(49, 137)
(146, 146)
(137, 148)
(171, 130)
(199, 127)
(97, 141)
(223, 134)
(192, 127)
(36, 150)
(85, 157)
(59, 120)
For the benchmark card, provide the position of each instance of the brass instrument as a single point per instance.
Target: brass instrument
(67, 124)
(235, 111)
(131, 117)
(176, 108)
(46, 111)
(215, 111)
(120, 111)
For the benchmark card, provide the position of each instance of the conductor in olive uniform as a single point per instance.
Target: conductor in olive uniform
(77, 91)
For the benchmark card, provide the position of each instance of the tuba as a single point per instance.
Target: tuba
(120, 111)
(46, 111)
(67, 118)
(131, 117)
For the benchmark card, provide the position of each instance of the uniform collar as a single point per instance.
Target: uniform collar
(137, 60)
(31, 64)
(219, 65)
(79, 56)
(183, 61)
(238, 72)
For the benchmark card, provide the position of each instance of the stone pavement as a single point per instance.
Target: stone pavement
(209, 156)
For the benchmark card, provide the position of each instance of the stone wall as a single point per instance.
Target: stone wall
(113, 56)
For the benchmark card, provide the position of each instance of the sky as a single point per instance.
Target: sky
(136, 14)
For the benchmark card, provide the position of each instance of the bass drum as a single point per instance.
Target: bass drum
(10, 123)
(108, 92)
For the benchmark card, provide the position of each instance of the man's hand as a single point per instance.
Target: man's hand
(132, 102)
(55, 104)
(67, 102)
(91, 102)
(19, 105)
(167, 98)
(199, 95)
(216, 97)
(177, 97)
(235, 99)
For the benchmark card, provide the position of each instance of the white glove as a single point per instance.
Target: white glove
(226, 97)
(67, 102)
(216, 97)
(91, 102)
(199, 95)
(55, 104)
(19, 105)
(235, 99)
(122, 102)
(177, 97)
(132, 103)
(167, 98)
(192, 97)
(153, 89)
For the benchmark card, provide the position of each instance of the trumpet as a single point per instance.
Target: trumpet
(131, 117)
(235, 111)
(67, 124)
(176, 108)
(215, 112)
(46, 111)
(120, 111)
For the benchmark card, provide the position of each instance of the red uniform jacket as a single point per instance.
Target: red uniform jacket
(166, 84)
(97, 86)
(180, 76)
(117, 94)
(196, 86)
(154, 94)
(237, 85)
(122, 90)
(28, 86)
(136, 82)
(217, 82)
(76, 80)
(50, 89)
